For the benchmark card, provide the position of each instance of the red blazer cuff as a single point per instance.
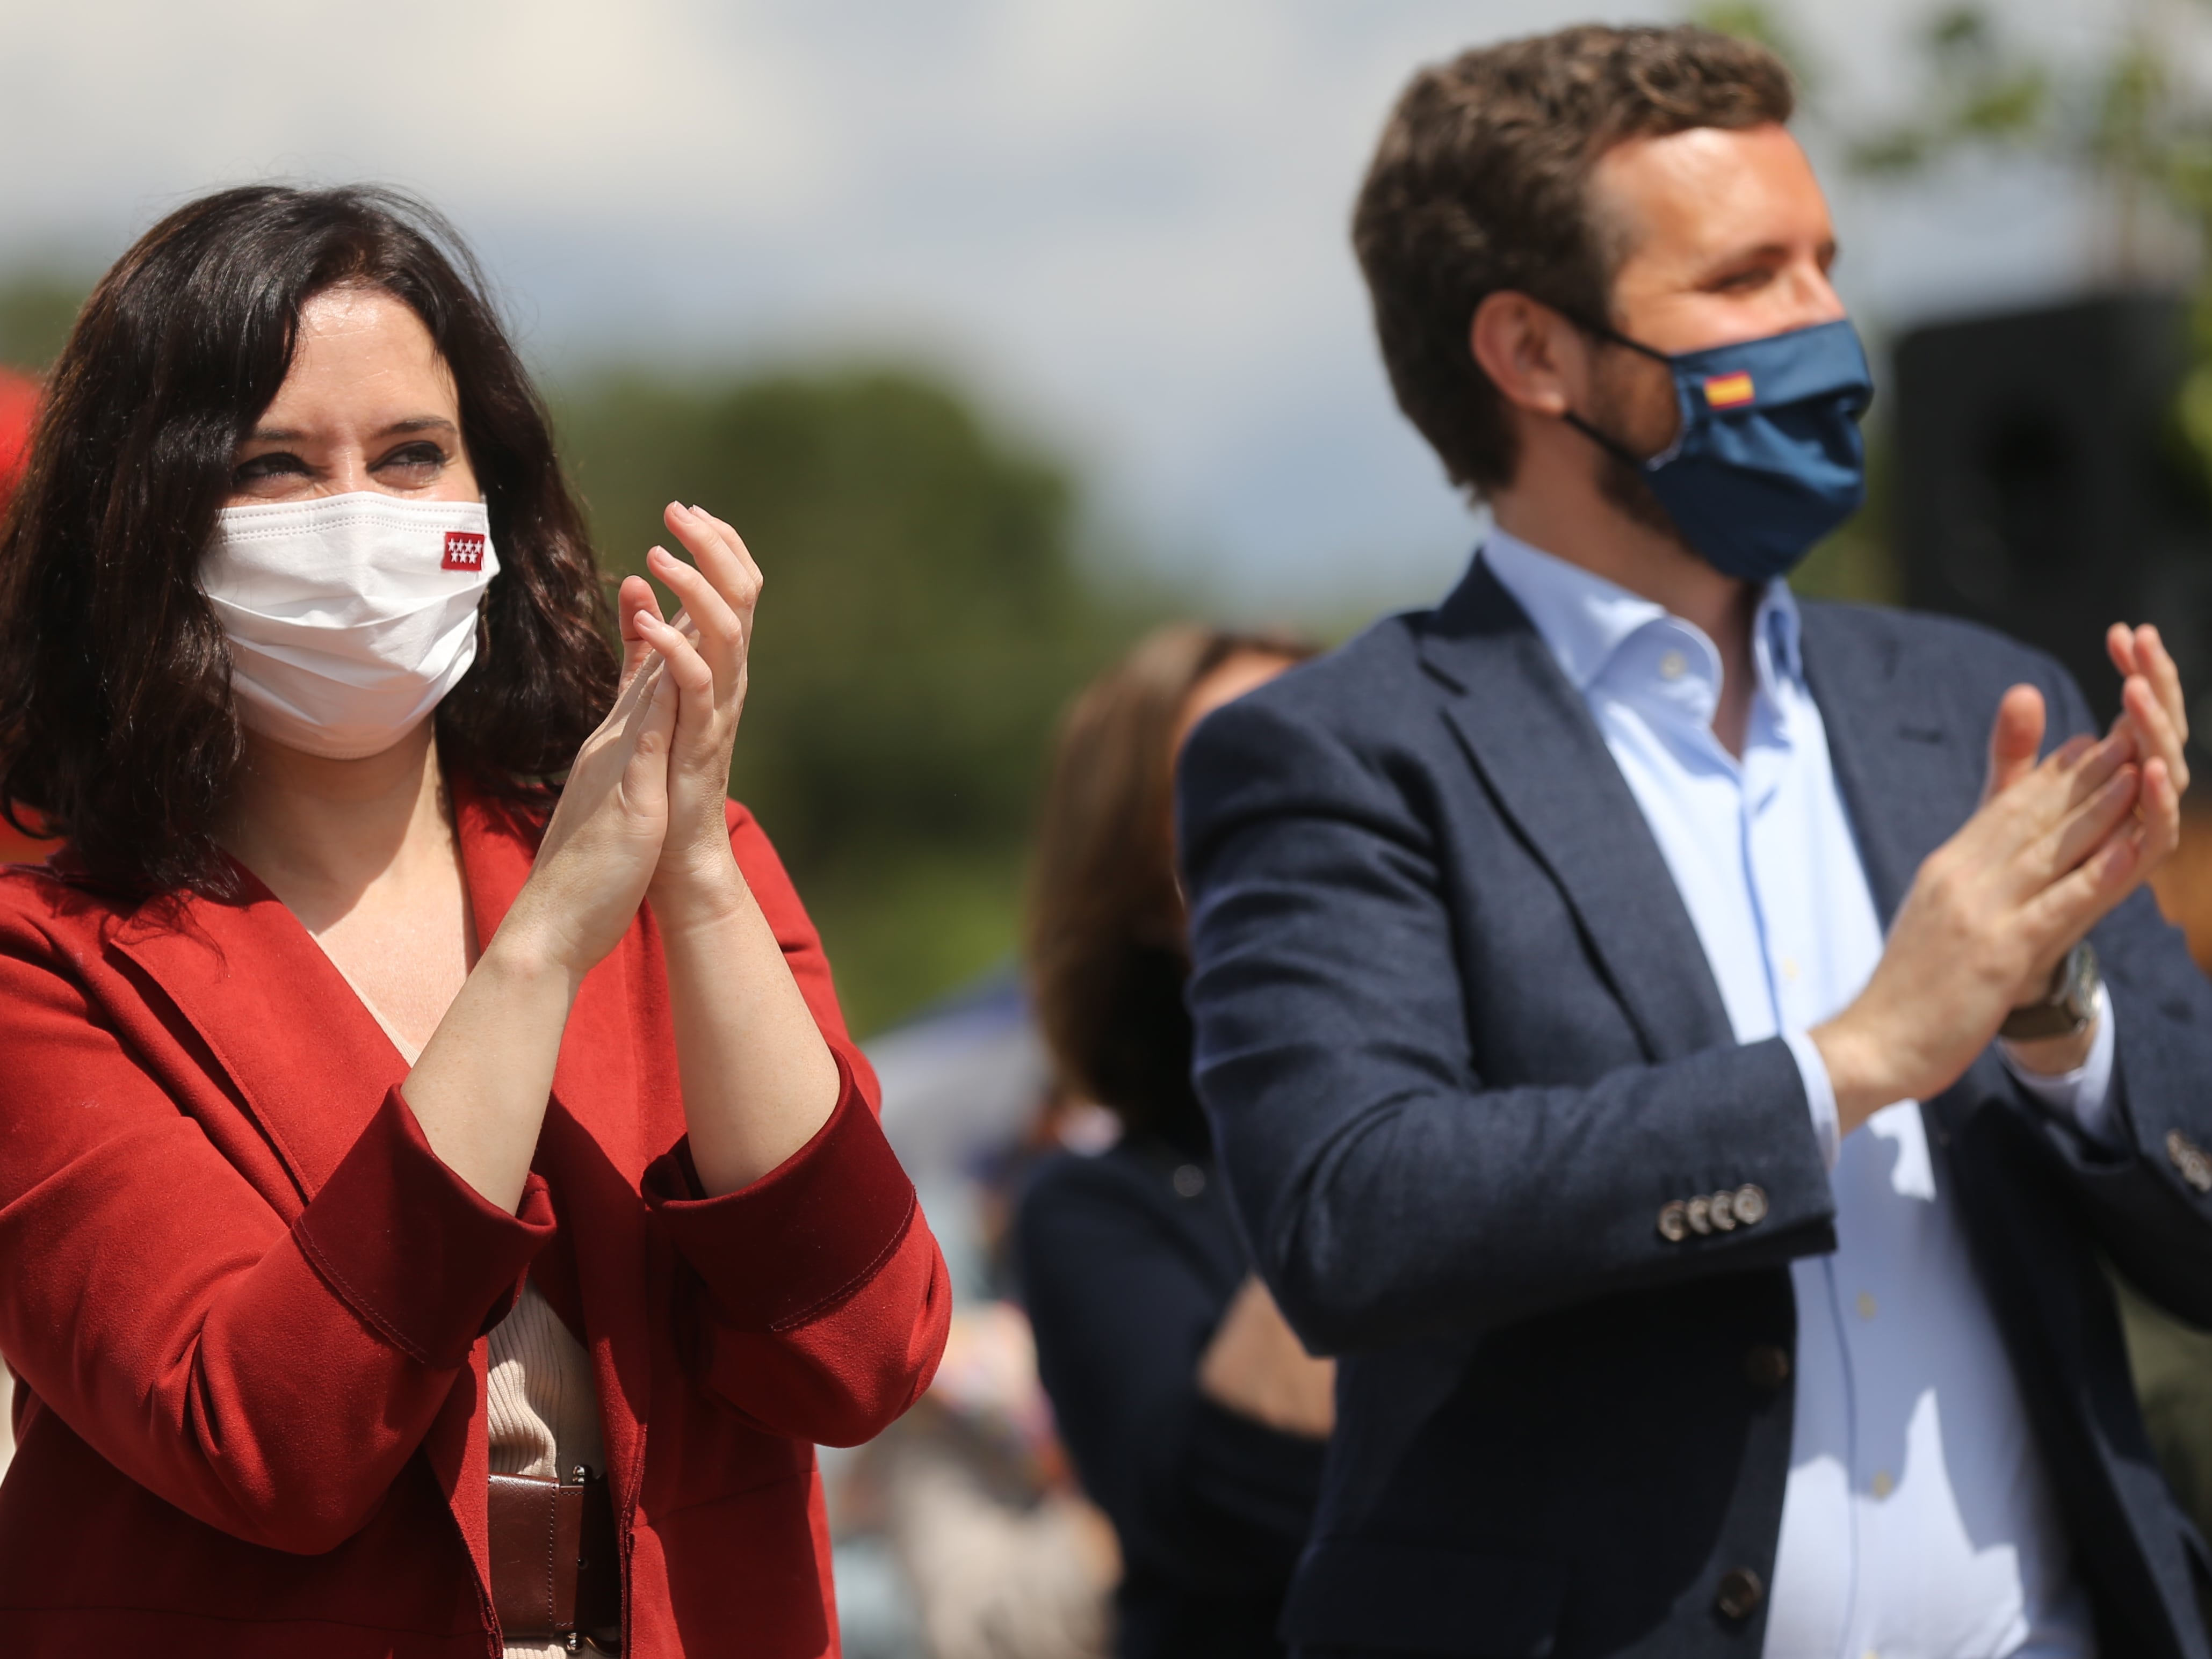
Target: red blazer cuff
(413, 1248)
(803, 1236)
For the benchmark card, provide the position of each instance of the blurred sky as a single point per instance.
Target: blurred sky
(1123, 220)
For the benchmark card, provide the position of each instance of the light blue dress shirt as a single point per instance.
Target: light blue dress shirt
(1918, 1521)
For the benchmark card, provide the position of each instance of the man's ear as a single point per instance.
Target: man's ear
(1538, 360)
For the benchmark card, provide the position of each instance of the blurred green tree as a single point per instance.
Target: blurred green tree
(38, 305)
(925, 617)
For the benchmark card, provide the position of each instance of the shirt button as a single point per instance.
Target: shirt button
(1673, 665)
(1866, 1305)
(1189, 1180)
(1882, 1486)
(1766, 1366)
(1740, 1592)
(1790, 969)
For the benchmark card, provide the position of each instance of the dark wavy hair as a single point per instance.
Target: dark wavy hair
(1107, 949)
(116, 725)
(1481, 184)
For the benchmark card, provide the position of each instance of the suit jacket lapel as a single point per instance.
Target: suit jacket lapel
(1534, 743)
(1907, 780)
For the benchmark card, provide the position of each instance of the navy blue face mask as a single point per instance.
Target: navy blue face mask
(1768, 458)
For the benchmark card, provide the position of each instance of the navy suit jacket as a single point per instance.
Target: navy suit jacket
(1460, 1045)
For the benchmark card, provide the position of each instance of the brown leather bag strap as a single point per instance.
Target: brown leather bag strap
(556, 1572)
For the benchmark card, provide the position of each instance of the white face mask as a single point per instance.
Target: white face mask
(349, 616)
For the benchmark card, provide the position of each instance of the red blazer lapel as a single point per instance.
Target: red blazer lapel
(310, 1062)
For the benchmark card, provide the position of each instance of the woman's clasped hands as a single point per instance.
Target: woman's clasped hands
(642, 812)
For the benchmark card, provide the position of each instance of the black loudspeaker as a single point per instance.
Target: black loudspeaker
(2042, 487)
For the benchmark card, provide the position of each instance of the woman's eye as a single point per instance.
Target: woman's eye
(413, 458)
(275, 465)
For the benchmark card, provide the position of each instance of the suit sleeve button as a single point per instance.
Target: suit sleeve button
(1766, 1366)
(1722, 1209)
(2188, 1159)
(1672, 1225)
(1749, 1204)
(1700, 1213)
(1739, 1594)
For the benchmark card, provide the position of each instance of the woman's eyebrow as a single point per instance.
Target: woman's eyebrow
(285, 435)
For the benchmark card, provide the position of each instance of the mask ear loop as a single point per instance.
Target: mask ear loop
(1611, 445)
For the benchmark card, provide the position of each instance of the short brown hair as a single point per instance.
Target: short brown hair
(117, 728)
(1107, 954)
(1481, 184)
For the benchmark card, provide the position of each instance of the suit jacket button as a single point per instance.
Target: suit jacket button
(1672, 1223)
(1749, 1204)
(1766, 1365)
(1740, 1592)
(1723, 1210)
(1700, 1212)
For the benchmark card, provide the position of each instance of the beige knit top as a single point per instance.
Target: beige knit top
(542, 1405)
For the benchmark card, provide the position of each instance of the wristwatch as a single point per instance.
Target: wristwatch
(2070, 1006)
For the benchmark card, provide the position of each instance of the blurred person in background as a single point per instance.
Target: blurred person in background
(379, 1161)
(1194, 1418)
(1676, 1043)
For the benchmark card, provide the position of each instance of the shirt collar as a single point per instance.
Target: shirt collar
(1584, 619)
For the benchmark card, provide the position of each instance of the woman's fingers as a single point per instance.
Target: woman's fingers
(698, 738)
(719, 631)
(635, 594)
(678, 655)
(731, 563)
(721, 554)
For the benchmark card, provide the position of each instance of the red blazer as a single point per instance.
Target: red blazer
(245, 1302)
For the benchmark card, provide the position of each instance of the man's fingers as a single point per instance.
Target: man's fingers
(2156, 734)
(2160, 812)
(2091, 823)
(2067, 778)
(2014, 736)
(2077, 900)
(2158, 666)
(2120, 647)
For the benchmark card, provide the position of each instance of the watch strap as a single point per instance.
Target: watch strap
(2069, 1008)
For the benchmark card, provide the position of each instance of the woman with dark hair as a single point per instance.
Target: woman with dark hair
(393, 1133)
(1192, 1415)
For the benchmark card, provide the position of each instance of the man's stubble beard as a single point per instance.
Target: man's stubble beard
(1615, 411)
